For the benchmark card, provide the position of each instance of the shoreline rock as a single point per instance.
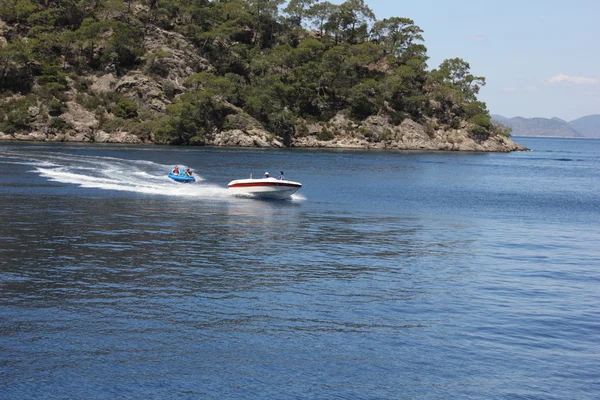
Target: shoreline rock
(454, 140)
(340, 132)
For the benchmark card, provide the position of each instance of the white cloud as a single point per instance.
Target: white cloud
(577, 80)
(510, 89)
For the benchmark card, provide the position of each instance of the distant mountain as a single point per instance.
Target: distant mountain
(588, 126)
(554, 127)
(499, 118)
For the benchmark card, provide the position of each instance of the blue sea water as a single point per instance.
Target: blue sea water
(389, 275)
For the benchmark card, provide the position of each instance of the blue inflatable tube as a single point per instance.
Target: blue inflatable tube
(182, 177)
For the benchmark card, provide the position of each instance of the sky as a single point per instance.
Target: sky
(540, 58)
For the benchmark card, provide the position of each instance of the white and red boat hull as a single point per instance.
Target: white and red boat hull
(266, 188)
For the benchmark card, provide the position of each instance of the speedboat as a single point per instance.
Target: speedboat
(181, 176)
(264, 188)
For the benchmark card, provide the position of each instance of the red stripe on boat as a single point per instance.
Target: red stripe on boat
(264, 184)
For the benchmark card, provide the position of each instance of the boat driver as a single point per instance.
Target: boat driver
(266, 175)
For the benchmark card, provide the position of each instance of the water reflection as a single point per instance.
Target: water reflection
(104, 247)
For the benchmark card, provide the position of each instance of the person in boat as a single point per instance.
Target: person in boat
(176, 170)
(281, 176)
(266, 175)
(188, 171)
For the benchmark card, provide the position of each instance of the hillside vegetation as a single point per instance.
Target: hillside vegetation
(185, 71)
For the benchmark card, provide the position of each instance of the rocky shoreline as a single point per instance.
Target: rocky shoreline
(373, 133)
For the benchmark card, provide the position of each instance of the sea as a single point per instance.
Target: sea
(388, 275)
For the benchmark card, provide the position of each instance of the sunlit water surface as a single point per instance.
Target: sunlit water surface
(387, 276)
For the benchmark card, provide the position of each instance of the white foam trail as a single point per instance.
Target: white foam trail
(142, 182)
(109, 173)
(298, 197)
(34, 163)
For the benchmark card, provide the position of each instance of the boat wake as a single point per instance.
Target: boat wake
(110, 173)
(298, 197)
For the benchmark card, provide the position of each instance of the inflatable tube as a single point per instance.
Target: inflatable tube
(182, 177)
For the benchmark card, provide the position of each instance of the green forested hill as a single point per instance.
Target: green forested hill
(178, 71)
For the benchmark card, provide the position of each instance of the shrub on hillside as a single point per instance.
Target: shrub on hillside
(126, 108)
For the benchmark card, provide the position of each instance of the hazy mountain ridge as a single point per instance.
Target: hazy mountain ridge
(588, 126)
